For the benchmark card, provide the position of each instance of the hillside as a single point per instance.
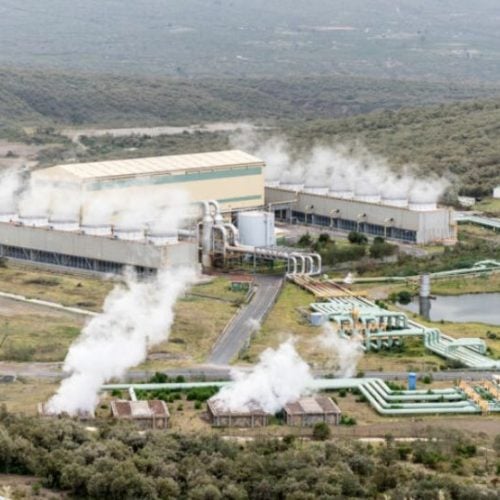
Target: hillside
(433, 40)
(458, 141)
(63, 98)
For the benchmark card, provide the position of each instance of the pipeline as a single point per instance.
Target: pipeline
(384, 400)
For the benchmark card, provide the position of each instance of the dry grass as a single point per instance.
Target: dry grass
(66, 289)
(489, 205)
(23, 395)
(284, 321)
(472, 284)
(198, 323)
(36, 338)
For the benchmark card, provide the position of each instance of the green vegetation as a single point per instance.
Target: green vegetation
(457, 139)
(321, 431)
(67, 289)
(32, 337)
(118, 461)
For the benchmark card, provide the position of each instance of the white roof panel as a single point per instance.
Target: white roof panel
(152, 166)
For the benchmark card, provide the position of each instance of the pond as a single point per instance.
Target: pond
(466, 308)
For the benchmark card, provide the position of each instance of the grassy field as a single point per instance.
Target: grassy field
(37, 338)
(198, 323)
(67, 289)
(458, 286)
(489, 205)
(35, 334)
(23, 395)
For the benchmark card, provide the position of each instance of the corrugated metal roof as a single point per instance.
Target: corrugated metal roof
(151, 166)
(312, 406)
(139, 409)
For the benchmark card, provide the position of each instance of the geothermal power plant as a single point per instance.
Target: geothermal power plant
(230, 213)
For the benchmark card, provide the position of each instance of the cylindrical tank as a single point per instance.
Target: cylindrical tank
(256, 228)
(412, 381)
(34, 220)
(65, 224)
(272, 183)
(315, 187)
(292, 186)
(160, 238)
(343, 194)
(368, 198)
(425, 285)
(395, 202)
(422, 206)
(316, 318)
(97, 229)
(132, 233)
(8, 217)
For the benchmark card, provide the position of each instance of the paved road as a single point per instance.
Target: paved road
(246, 321)
(219, 372)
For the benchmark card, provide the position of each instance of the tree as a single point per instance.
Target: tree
(321, 431)
(357, 238)
(305, 240)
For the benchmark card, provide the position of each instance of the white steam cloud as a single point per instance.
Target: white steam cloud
(340, 169)
(135, 318)
(345, 352)
(47, 201)
(10, 184)
(280, 377)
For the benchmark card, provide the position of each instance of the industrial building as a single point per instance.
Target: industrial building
(78, 250)
(151, 414)
(308, 411)
(233, 178)
(218, 185)
(400, 220)
(220, 416)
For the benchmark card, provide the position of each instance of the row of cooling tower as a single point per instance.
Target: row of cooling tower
(105, 230)
(402, 201)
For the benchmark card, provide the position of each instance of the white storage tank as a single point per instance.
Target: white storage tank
(97, 229)
(132, 233)
(315, 187)
(65, 224)
(343, 194)
(160, 238)
(368, 198)
(256, 228)
(395, 201)
(34, 220)
(422, 206)
(8, 217)
(272, 183)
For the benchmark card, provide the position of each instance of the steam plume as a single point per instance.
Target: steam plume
(281, 376)
(346, 352)
(136, 317)
(10, 184)
(340, 167)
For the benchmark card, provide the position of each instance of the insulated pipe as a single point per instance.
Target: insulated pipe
(206, 239)
(218, 219)
(235, 233)
(309, 259)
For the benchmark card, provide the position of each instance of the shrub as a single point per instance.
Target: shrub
(305, 240)
(346, 420)
(321, 431)
(357, 238)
